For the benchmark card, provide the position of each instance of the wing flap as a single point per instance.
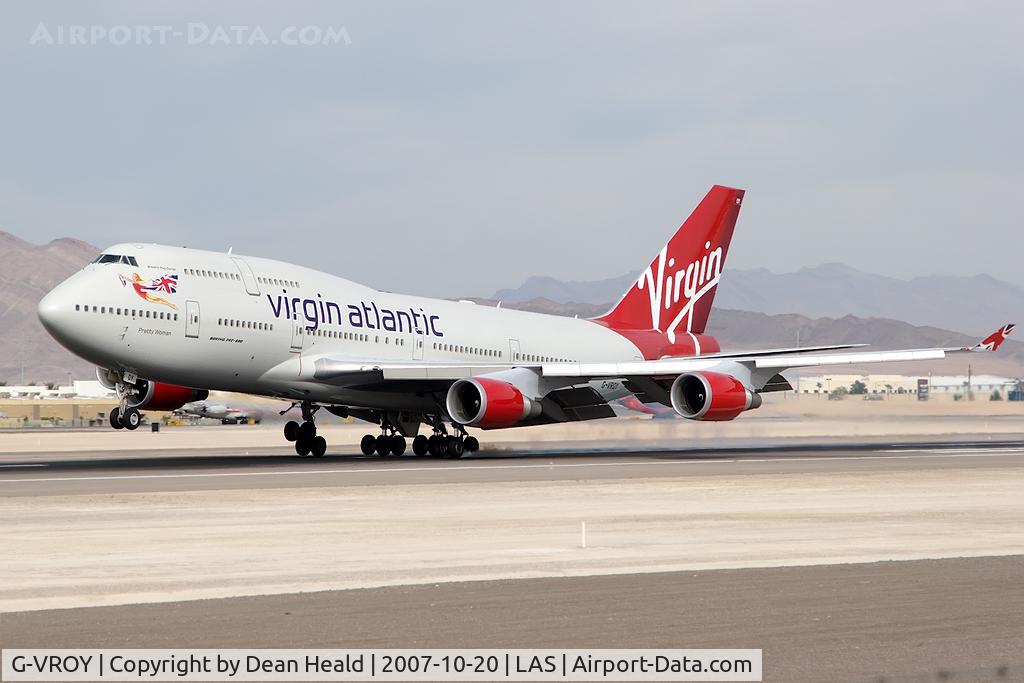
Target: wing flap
(849, 358)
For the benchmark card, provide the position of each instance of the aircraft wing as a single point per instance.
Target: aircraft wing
(339, 371)
(772, 359)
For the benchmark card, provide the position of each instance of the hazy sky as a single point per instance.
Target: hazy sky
(454, 148)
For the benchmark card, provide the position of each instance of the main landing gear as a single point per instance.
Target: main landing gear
(307, 442)
(383, 445)
(438, 445)
(390, 442)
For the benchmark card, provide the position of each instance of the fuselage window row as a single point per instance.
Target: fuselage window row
(130, 312)
(247, 324)
(277, 282)
(220, 275)
(212, 274)
(328, 334)
(348, 336)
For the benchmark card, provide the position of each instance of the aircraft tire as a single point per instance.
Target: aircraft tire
(453, 447)
(397, 444)
(307, 430)
(131, 419)
(420, 445)
(291, 430)
(383, 446)
(368, 444)
(471, 444)
(115, 418)
(435, 446)
(302, 447)
(319, 446)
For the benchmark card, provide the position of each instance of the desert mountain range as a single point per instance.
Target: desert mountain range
(753, 309)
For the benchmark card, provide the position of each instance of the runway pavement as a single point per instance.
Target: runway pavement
(843, 560)
(153, 471)
(931, 620)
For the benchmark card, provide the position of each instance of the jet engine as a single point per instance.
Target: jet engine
(489, 403)
(156, 395)
(711, 396)
(160, 396)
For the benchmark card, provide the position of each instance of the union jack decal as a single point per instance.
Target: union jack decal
(994, 340)
(167, 284)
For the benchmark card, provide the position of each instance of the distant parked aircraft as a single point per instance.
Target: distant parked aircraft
(221, 411)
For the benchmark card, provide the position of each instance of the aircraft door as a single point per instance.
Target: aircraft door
(513, 350)
(251, 285)
(192, 319)
(417, 346)
(298, 335)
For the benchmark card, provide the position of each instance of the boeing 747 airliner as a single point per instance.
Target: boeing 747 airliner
(166, 324)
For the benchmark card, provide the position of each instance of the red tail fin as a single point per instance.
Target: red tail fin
(676, 291)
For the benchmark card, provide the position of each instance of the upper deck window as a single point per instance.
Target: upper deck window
(116, 258)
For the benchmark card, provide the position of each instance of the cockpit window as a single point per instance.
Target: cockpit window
(116, 258)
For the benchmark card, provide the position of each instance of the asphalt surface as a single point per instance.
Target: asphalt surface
(929, 620)
(923, 620)
(88, 472)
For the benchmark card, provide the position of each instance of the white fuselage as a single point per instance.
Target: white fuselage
(258, 326)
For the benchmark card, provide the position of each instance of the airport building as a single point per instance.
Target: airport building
(945, 385)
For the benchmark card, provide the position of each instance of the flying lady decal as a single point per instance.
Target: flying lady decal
(165, 284)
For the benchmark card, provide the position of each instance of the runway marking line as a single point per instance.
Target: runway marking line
(26, 465)
(1007, 449)
(385, 470)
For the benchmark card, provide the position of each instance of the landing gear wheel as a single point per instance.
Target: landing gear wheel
(318, 447)
(453, 447)
(397, 444)
(420, 445)
(291, 430)
(368, 445)
(115, 418)
(303, 446)
(307, 430)
(131, 419)
(435, 446)
(383, 446)
(471, 444)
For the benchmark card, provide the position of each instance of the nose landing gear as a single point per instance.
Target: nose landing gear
(123, 416)
(307, 441)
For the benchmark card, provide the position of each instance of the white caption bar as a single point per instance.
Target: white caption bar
(380, 665)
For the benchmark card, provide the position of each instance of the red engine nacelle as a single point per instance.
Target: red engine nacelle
(155, 395)
(160, 396)
(711, 396)
(489, 403)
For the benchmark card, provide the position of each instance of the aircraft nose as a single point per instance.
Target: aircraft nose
(53, 310)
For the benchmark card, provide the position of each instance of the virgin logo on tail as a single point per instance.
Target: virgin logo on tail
(691, 282)
(675, 292)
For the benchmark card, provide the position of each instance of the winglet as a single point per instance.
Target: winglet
(994, 340)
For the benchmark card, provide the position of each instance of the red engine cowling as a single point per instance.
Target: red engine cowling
(711, 396)
(489, 403)
(160, 396)
(154, 395)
